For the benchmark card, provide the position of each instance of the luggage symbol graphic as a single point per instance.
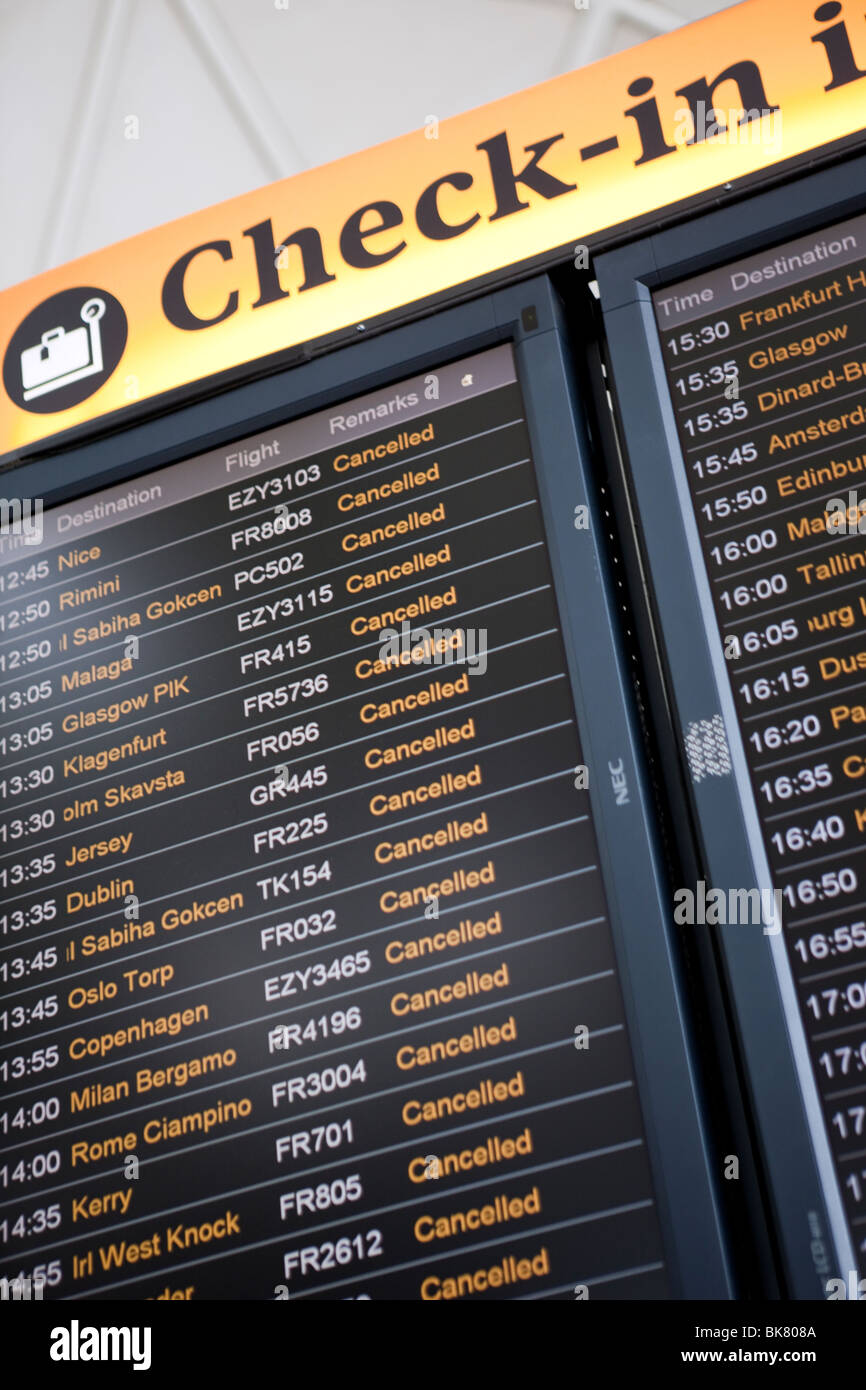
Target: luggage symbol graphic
(60, 357)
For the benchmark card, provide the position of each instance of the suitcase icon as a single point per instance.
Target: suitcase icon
(60, 357)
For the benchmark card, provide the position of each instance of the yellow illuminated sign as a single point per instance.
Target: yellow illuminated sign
(704, 106)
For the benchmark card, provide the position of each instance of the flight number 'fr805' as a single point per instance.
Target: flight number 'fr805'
(322, 1197)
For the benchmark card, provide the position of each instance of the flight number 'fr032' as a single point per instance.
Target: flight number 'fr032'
(312, 924)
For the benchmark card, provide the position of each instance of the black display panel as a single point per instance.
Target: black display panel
(765, 360)
(283, 907)
(720, 358)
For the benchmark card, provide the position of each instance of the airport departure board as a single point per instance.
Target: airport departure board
(303, 933)
(766, 363)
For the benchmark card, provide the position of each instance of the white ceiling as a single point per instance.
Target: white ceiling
(232, 94)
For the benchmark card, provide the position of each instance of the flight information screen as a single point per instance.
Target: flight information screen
(766, 362)
(308, 982)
